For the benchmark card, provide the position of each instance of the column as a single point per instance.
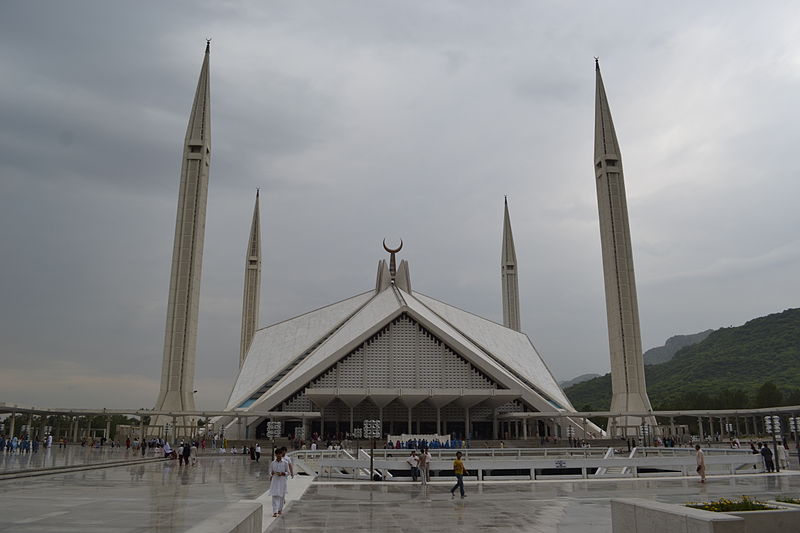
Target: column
(711, 427)
(672, 426)
(75, 430)
(494, 424)
(30, 426)
(352, 426)
(108, 427)
(738, 434)
(13, 423)
(466, 423)
(410, 429)
(700, 426)
(175, 428)
(438, 420)
(57, 434)
(525, 428)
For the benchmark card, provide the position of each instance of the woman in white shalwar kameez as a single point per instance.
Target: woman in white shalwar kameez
(278, 470)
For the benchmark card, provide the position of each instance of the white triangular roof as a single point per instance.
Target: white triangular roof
(504, 354)
(514, 349)
(276, 346)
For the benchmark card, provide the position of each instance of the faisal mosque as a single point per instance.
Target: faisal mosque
(417, 364)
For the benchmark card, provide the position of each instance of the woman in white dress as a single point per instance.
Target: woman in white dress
(278, 470)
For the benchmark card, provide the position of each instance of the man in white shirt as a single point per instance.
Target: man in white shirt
(413, 463)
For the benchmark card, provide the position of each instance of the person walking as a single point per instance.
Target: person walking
(701, 463)
(258, 451)
(766, 453)
(413, 463)
(460, 472)
(278, 470)
(423, 466)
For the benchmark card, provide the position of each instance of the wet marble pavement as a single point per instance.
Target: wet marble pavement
(72, 455)
(148, 497)
(538, 507)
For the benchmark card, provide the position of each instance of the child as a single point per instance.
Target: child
(460, 472)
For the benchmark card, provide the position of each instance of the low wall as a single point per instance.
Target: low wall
(240, 517)
(635, 515)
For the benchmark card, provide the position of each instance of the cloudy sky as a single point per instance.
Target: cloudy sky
(364, 120)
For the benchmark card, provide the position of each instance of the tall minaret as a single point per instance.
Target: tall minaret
(252, 285)
(627, 364)
(180, 339)
(508, 275)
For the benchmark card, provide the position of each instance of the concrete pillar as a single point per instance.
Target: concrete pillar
(494, 424)
(525, 428)
(737, 427)
(672, 426)
(352, 422)
(175, 428)
(108, 427)
(410, 422)
(438, 420)
(42, 424)
(711, 427)
(466, 423)
(30, 426)
(700, 426)
(13, 423)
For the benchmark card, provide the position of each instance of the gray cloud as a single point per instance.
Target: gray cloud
(365, 120)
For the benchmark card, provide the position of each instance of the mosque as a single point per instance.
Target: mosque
(391, 353)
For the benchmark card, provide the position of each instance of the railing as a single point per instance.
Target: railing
(554, 463)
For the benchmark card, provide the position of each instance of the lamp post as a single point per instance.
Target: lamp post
(358, 433)
(372, 430)
(273, 431)
(794, 427)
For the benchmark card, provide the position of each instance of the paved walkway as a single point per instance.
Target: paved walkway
(537, 507)
(163, 497)
(150, 497)
(73, 455)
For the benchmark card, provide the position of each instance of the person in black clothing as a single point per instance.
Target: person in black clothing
(767, 454)
(186, 452)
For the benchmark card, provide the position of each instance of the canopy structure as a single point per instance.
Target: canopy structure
(414, 362)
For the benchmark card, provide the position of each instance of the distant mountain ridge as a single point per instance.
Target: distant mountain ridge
(662, 354)
(725, 369)
(576, 380)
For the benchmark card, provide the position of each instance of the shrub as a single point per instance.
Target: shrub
(724, 505)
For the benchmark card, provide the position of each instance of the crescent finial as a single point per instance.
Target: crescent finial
(390, 250)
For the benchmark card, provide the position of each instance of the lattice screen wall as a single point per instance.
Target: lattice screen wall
(403, 354)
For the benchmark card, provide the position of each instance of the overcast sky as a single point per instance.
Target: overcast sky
(365, 120)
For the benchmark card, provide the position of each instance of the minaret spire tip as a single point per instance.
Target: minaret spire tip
(596, 63)
(208, 44)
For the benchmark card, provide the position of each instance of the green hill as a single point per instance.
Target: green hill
(728, 369)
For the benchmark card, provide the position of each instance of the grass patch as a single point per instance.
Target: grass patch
(795, 501)
(724, 505)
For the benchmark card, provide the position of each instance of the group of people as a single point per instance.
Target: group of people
(185, 452)
(768, 458)
(420, 467)
(419, 444)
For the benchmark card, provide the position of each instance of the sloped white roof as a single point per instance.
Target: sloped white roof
(507, 355)
(512, 348)
(375, 312)
(276, 346)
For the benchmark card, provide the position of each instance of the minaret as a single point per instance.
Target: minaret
(627, 364)
(180, 339)
(508, 275)
(252, 285)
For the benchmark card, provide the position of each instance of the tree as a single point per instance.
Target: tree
(768, 395)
